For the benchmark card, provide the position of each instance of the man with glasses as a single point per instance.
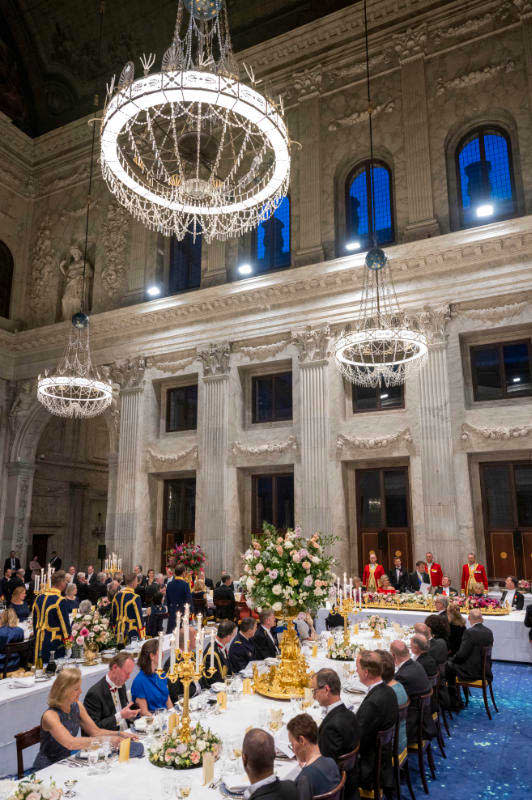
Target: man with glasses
(338, 733)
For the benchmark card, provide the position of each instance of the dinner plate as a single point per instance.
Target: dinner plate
(235, 792)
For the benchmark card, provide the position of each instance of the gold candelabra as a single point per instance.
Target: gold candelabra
(346, 606)
(291, 677)
(186, 668)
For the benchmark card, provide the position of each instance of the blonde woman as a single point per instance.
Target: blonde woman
(10, 632)
(60, 724)
(457, 627)
(18, 603)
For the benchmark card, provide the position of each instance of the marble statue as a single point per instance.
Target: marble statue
(72, 270)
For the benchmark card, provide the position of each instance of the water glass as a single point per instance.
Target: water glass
(169, 788)
(93, 756)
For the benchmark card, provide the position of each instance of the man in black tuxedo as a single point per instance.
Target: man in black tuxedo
(12, 563)
(467, 662)
(511, 596)
(55, 561)
(265, 641)
(419, 647)
(417, 578)
(83, 587)
(445, 589)
(98, 589)
(106, 702)
(225, 593)
(415, 680)
(338, 733)
(242, 649)
(224, 637)
(258, 756)
(4, 585)
(17, 579)
(398, 576)
(91, 575)
(378, 711)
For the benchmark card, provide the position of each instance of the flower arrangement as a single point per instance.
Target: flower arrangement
(192, 556)
(288, 572)
(340, 652)
(92, 631)
(376, 623)
(173, 753)
(485, 603)
(523, 585)
(33, 788)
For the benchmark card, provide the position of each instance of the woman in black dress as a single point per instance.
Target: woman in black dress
(18, 603)
(60, 724)
(457, 627)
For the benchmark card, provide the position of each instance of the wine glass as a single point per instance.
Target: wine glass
(93, 756)
(169, 788)
(184, 789)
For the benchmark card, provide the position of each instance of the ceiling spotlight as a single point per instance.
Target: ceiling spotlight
(485, 210)
(245, 269)
(352, 246)
(384, 396)
(516, 380)
(153, 290)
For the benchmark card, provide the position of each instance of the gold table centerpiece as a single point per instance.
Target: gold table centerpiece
(291, 677)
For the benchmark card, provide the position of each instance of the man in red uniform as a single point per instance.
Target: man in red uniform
(434, 570)
(372, 573)
(473, 572)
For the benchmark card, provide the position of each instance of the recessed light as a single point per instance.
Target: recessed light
(245, 269)
(352, 246)
(485, 210)
(153, 290)
(516, 380)
(384, 396)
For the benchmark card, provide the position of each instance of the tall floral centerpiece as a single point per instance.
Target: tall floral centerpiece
(288, 573)
(92, 631)
(192, 556)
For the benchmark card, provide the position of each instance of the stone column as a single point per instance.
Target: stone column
(73, 550)
(410, 49)
(18, 507)
(525, 12)
(5, 397)
(211, 531)
(441, 535)
(214, 270)
(110, 520)
(314, 421)
(129, 498)
(307, 85)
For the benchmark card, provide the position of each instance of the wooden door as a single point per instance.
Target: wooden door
(383, 515)
(507, 508)
(39, 547)
(179, 516)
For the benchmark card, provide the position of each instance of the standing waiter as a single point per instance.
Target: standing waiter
(177, 595)
(51, 621)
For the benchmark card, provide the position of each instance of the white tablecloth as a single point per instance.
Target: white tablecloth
(511, 642)
(498, 594)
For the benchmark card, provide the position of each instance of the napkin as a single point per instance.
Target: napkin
(208, 768)
(282, 743)
(222, 700)
(124, 752)
(237, 783)
(136, 749)
(218, 687)
(22, 683)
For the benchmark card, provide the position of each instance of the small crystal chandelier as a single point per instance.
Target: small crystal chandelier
(190, 149)
(384, 345)
(75, 388)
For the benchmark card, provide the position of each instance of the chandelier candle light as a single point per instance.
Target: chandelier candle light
(191, 149)
(384, 345)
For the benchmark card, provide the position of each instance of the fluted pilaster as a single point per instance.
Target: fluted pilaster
(18, 507)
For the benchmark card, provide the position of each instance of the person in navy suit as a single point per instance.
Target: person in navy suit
(417, 578)
(178, 594)
(242, 649)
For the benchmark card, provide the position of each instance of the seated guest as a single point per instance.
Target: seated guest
(440, 605)
(4, 585)
(106, 701)
(436, 630)
(511, 596)
(384, 585)
(457, 627)
(419, 647)
(224, 592)
(377, 712)
(445, 589)
(71, 600)
(418, 578)
(85, 607)
(388, 677)
(148, 690)
(467, 661)
(258, 756)
(19, 605)
(17, 579)
(156, 616)
(175, 689)
(242, 649)
(151, 587)
(98, 588)
(398, 576)
(338, 733)
(265, 641)
(224, 637)
(334, 620)
(305, 627)
(199, 597)
(112, 589)
(9, 633)
(319, 774)
(415, 681)
(60, 724)
(477, 589)
(528, 621)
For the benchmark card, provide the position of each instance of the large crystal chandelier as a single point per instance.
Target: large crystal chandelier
(75, 388)
(190, 148)
(384, 345)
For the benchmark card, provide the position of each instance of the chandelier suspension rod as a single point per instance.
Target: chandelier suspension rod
(372, 235)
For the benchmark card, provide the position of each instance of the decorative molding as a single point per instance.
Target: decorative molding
(344, 442)
(114, 272)
(410, 43)
(159, 462)
(312, 343)
(272, 448)
(169, 365)
(469, 79)
(470, 26)
(43, 282)
(352, 70)
(524, 7)
(361, 116)
(491, 313)
(307, 84)
(261, 351)
(215, 360)
(129, 374)
(498, 434)
(434, 323)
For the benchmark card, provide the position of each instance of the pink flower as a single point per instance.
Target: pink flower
(306, 565)
(297, 530)
(181, 748)
(256, 553)
(296, 558)
(80, 640)
(259, 568)
(84, 632)
(195, 757)
(308, 581)
(303, 553)
(273, 574)
(279, 550)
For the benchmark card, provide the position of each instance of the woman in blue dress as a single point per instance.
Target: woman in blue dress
(19, 605)
(148, 690)
(10, 632)
(60, 724)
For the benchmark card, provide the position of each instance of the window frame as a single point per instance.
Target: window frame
(174, 242)
(480, 131)
(499, 345)
(168, 391)
(253, 243)
(254, 398)
(353, 172)
(379, 403)
(255, 522)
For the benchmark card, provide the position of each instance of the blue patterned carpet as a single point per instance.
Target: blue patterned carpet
(486, 760)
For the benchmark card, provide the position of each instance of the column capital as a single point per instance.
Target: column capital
(307, 83)
(524, 8)
(313, 344)
(129, 374)
(215, 360)
(410, 44)
(434, 322)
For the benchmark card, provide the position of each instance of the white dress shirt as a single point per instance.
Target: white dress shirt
(510, 597)
(120, 721)
(254, 786)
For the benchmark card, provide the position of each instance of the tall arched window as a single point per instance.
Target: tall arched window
(185, 264)
(486, 189)
(6, 279)
(358, 205)
(271, 240)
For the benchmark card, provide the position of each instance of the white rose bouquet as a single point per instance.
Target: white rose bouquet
(173, 753)
(339, 652)
(35, 789)
(288, 572)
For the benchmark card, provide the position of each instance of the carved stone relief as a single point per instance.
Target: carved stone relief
(170, 365)
(469, 79)
(262, 351)
(72, 269)
(312, 343)
(129, 374)
(114, 270)
(307, 84)
(361, 116)
(497, 434)
(410, 43)
(288, 445)
(491, 313)
(344, 442)
(43, 276)
(159, 462)
(215, 359)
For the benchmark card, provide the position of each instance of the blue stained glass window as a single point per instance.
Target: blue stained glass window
(485, 176)
(272, 239)
(360, 209)
(185, 264)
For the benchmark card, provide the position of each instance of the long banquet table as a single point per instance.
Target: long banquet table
(511, 642)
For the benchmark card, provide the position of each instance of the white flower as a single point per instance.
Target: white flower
(250, 583)
(277, 606)
(288, 545)
(277, 589)
(315, 559)
(201, 745)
